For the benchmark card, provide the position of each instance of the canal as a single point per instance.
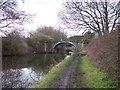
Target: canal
(23, 71)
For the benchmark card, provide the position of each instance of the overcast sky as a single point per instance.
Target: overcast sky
(45, 10)
(46, 13)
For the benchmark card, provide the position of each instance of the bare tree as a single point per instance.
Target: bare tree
(10, 15)
(100, 17)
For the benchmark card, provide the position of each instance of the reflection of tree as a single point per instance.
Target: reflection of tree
(11, 78)
(14, 69)
(37, 75)
(15, 79)
(40, 63)
(37, 62)
(58, 57)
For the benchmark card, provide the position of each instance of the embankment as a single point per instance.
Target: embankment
(103, 52)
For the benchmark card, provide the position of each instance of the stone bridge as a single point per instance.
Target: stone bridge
(61, 46)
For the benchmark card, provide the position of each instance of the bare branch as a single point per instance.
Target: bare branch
(10, 16)
(99, 17)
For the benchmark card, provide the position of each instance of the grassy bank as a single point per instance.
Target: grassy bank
(95, 78)
(49, 79)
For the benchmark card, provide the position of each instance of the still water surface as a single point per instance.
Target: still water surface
(23, 71)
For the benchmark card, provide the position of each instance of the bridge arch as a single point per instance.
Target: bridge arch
(63, 42)
(68, 46)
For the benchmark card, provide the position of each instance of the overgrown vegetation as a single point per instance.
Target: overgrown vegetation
(104, 52)
(49, 79)
(94, 77)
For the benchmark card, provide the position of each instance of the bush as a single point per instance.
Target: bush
(103, 52)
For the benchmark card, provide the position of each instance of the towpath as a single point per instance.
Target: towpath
(71, 77)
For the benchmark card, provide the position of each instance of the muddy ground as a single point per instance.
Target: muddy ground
(71, 77)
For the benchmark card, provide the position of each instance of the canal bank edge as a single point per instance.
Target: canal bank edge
(48, 80)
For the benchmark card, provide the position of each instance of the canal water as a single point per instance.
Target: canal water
(23, 71)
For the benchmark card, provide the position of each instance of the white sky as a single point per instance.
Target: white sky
(46, 12)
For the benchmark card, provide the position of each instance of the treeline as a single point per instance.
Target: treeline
(39, 41)
(104, 52)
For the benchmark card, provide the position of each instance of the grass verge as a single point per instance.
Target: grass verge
(95, 78)
(49, 79)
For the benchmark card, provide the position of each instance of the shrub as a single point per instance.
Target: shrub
(103, 52)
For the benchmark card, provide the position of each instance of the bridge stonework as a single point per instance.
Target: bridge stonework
(52, 46)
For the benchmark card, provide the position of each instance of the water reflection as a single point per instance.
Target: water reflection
(23, 71)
